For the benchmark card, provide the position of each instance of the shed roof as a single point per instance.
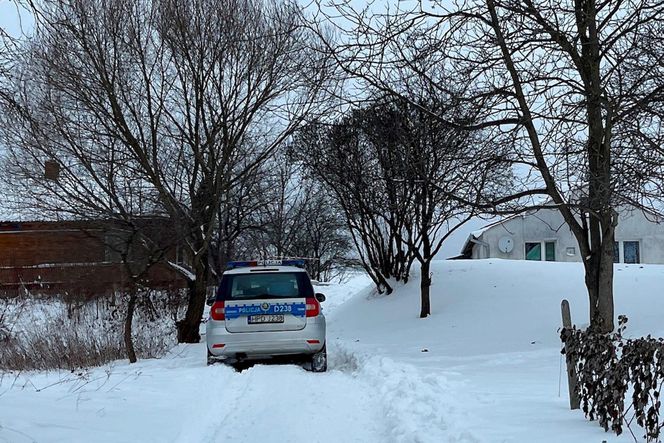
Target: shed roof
(467, 249)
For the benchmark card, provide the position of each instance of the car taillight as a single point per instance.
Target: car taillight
(217, 311)
(313, 307)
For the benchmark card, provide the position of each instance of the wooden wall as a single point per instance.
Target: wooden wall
(66, 257)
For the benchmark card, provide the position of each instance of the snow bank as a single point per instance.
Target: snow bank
(357, 285)
(483, 307)
(417, 406)
(492, 344)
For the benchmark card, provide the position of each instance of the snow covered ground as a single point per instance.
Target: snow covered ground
(485, 367)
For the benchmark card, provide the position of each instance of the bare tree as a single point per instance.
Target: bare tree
(240, 215)
(323, 237)
(279, 212)
(423, 173)
(342, 157)
(139, 244)
(9, 45)
(283, 216)
(299, 220)
(573, 88)
(185, 97)
(447, 170)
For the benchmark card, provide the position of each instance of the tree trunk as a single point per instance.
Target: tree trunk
(379, 281)
(602, 320)
(129, 342)
(599, 282)
(426, 214)
(188, 327)
(425, 286)
(599, 279)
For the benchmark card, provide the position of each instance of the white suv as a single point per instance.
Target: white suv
(267, 309)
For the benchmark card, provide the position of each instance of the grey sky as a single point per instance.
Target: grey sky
(12, 18)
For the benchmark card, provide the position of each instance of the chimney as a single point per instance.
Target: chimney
(52, 170)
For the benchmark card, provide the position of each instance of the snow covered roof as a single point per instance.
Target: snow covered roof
(467, 249)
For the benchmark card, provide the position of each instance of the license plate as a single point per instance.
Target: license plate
(265, 318)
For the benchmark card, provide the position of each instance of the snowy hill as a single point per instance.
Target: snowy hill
(495, 306)
(485, 367)
(494, 331)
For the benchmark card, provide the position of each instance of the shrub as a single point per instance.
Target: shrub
(608, 367)
(43, 334)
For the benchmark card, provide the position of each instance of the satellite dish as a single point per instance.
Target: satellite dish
(505, 244)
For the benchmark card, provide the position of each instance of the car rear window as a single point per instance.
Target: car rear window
(265, 285)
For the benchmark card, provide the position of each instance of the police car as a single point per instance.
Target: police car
(266, 309)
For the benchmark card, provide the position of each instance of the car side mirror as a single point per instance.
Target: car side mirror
(210, 301)
(320, 297)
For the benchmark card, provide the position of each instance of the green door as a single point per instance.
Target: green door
(550, 251)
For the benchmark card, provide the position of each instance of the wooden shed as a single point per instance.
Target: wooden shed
(78, 258)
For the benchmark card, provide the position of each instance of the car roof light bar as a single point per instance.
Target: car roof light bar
(253, 263)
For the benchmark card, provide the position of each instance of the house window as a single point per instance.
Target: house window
(631, 253)
(534, 251)
(550, 251)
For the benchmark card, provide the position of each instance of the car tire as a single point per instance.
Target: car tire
(210, 358)
(319, 361)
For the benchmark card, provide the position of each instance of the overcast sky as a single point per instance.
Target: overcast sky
(12, 19)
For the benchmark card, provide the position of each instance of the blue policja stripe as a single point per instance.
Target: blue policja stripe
(295, 309)
(299, 309)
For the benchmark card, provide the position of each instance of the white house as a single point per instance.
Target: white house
(544, 235)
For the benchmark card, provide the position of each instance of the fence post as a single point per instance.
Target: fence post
(574, 402)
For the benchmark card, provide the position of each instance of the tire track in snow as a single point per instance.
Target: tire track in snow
(363, 398)
(270, 403)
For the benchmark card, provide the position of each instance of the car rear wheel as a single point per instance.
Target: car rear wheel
(319, 361)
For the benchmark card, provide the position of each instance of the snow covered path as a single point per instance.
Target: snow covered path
(180, 399)
(284, 403)
(353, 402)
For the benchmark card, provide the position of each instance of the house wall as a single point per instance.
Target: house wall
(548, 225)
(635, 225)
(542, 226)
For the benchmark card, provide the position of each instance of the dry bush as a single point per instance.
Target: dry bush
(4, 323)
(58, 348)
(39, 334)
